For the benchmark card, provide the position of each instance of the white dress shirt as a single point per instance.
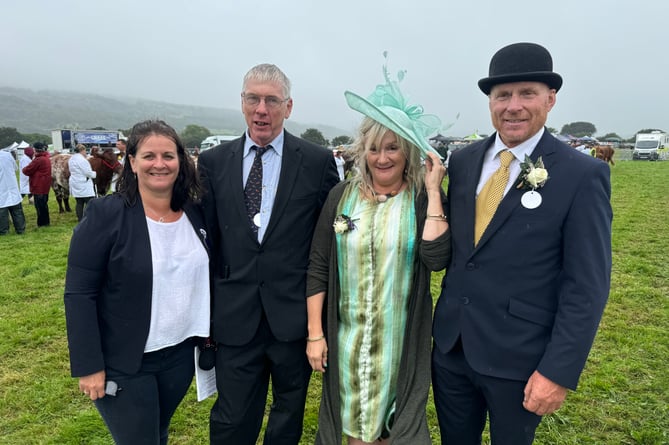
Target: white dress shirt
(491, 160)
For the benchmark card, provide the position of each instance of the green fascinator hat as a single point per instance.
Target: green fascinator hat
(388, 106)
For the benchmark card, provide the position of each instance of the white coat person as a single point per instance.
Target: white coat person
(82, 187)
(10, 198)
(24, 183)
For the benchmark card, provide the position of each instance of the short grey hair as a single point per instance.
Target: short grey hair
(266, 72)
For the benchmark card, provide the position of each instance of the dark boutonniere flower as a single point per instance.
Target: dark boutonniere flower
(343, 223)
(532, 175)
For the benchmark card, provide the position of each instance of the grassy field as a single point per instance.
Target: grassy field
(623, 397)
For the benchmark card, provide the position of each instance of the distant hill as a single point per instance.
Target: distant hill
(41, 111)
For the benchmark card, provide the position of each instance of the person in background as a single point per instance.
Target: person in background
(263, 194)
(136, 305)
(39, 173)
(10, 198)
(378, 238)
(24, 181)
(82, 187)
(531, 266)
(339, 161)
(121, 146)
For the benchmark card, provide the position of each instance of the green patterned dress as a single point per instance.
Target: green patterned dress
(376, 263)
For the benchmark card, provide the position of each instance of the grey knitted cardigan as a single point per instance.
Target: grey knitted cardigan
(410, 426)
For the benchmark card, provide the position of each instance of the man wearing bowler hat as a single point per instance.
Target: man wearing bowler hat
(531, 264)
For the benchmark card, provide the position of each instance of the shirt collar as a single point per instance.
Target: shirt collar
(277, 143)
(521, 150)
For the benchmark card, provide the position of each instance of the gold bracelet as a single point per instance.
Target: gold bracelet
(441, 217)
(311, 340)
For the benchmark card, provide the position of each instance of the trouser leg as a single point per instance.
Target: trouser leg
(141, 411)
(42, 209)
(510, 422)
(4, 220)
(290, 373)
(18, 218)
(79, 209)
(461, 408)
(464, 398)
(86, 201)
(242, 380)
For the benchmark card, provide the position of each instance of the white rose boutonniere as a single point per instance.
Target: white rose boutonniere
(532, 176)
(343, 223)
(536, 177)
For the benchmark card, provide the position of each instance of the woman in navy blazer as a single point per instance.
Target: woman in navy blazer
(137, 289)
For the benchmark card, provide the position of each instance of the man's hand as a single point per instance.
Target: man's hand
(542, 396)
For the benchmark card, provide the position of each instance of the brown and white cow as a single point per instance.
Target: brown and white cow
(105, 163)
(60, 181)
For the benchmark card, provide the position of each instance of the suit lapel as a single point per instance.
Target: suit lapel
(472, 180)
(196, 219)
(232, 182)
(291, 162)
(236, 179)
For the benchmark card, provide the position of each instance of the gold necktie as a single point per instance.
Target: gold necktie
(491, 195)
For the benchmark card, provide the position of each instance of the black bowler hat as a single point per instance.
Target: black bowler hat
(521, 62)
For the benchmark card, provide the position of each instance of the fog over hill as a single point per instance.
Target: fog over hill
(31, 111)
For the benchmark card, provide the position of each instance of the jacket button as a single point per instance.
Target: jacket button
(464, 300)
(470, 266)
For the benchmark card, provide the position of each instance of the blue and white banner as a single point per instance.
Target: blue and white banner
(88, 137)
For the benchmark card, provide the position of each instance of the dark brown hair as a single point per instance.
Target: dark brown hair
(187, 186)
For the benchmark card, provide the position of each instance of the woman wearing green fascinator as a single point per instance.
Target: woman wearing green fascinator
(379, 236)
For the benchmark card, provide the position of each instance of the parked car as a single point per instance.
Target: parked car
(213, 141)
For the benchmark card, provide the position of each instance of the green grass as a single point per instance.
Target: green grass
(623, 397)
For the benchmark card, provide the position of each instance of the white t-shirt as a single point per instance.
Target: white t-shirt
(180, 305)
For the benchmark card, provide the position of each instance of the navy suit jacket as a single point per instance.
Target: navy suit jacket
(531, 294)
(249, 277)
(109, 283)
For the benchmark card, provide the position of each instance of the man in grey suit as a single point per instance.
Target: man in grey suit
(531, 264)
(263, 194)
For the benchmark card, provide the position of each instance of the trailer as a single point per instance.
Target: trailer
(66, 140)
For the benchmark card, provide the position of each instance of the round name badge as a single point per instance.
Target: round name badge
(256, 219)
(531, 199)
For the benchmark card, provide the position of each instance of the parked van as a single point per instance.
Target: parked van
(213, 141)
(651, 146)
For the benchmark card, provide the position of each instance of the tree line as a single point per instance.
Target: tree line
(193, 135)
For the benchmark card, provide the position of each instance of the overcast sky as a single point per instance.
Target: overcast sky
(612, 54)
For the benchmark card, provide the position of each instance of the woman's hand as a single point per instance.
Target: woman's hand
(93, 385)
(435, 220)
(317, 353)
(435, 172)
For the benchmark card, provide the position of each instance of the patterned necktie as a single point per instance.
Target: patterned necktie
(253, 189)
(491, 195)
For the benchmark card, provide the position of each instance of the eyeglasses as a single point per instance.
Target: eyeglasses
(253, 100)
